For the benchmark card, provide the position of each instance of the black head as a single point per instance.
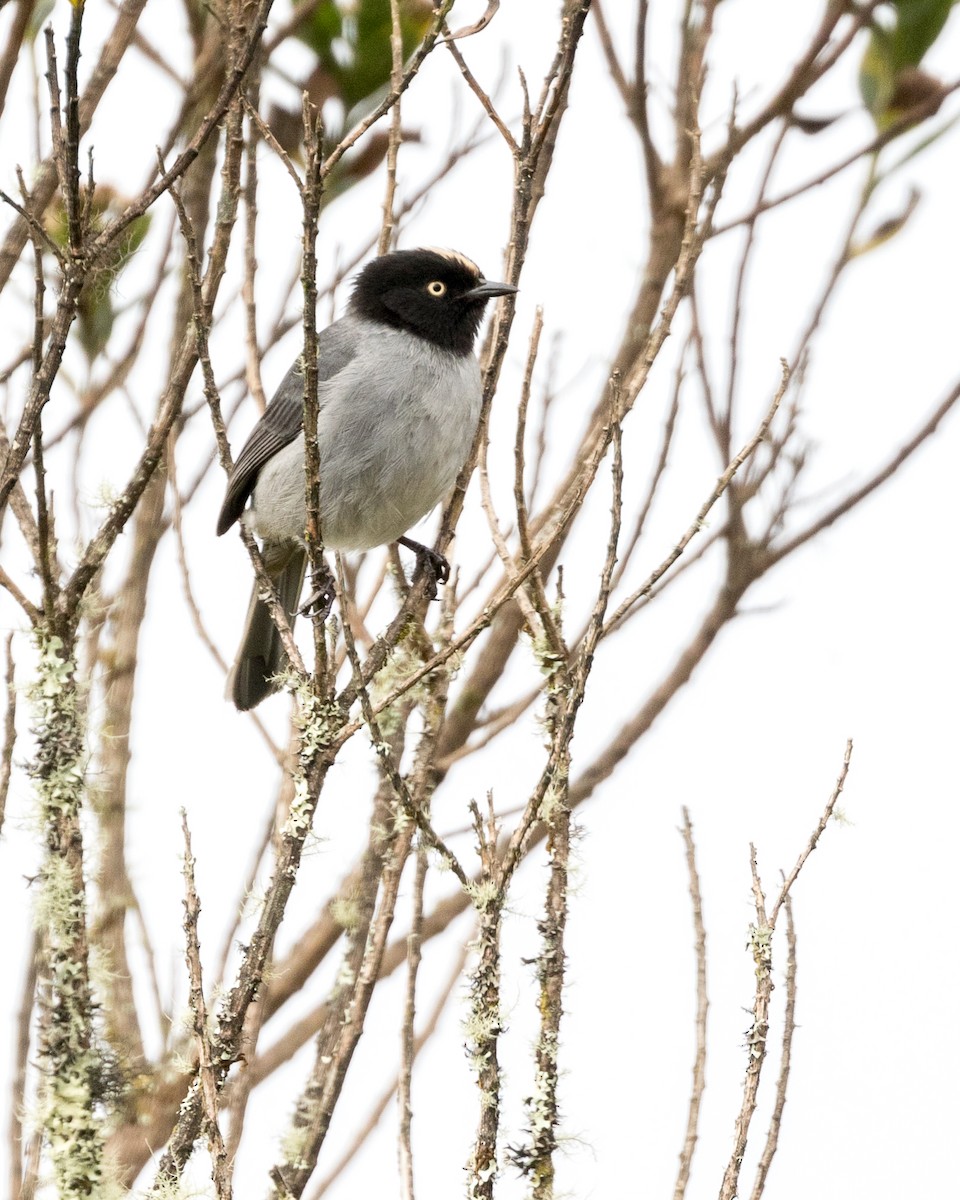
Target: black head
(437, 294)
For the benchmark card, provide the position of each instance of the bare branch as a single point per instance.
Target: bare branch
(880, 477)
(9, 726)
(786, 1047)
(394, 137)
(198, 1007)
(407, 1039)
(377, 1110)
(700, 1061)
(791, 879)
(481, 95)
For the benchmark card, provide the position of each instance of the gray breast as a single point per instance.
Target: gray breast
(395, 427)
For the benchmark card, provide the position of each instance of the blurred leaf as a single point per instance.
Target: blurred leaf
(891, 82)
(38, 18)
(352, 42)
(354, 62)
(887, 229)
(95, 317)
(876, 72)
(813, 125)
(917, 27)
(493, 7)
(320, 28)
(96, 311)
(360, 163)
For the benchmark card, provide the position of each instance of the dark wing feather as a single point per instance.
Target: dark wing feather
(283, 417)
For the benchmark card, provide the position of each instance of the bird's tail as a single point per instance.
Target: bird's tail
(261, 655)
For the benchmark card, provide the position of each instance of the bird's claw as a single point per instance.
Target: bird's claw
(430, 563)
(320, 601)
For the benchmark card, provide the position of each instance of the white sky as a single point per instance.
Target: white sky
(855, 636)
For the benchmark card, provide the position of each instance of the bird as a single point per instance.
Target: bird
(398, 400)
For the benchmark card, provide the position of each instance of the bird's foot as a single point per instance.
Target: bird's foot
(429, 562)
(320, 601)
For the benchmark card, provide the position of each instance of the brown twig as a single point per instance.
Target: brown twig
(388, 224)
(201, 1031)
(407, 800)
(786, 1047)
(851, 501)
(378, 1109)
(484, 1024)
(481, 95)
(253, 377)
(311, 195)
(698, 522)
(9, 726)
(407, 1038)
(760, 943)
(335, 1051)
(827, 813)
(23, 1181)
(700, 1059)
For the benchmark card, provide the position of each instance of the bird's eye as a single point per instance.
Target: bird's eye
(437, 288)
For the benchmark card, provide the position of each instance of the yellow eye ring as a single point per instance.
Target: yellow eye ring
(437, 288)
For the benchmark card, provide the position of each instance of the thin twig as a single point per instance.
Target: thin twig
(815, 836)
(786, 1046)
(388, 223)
(253, 377)
(20, 1168)
(481, 95)
(198, 1007)
(760, 945)
(311, 196)
(407, 1039)
(376, 1112)
(9, 726)
(698, 523)
(406, 799)
(700, 1060)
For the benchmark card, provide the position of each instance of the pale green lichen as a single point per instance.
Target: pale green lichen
(554, 800)
(295, 1143)
(760, 944)
(318, 724)
(552, 663)
(483, 894)
(480, 1027)
(75, 1071)
(105, 497)
(346, 913)
(175, 1189)
(401, 664)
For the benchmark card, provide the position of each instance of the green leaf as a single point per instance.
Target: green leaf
(891, 81)
(320, 29)
(352, 43)
(38, 18)
(95, 309)
(886, 229)
(917, 27)
(876, 72)
(95, 317)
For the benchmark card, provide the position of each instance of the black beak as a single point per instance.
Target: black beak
(488, 289)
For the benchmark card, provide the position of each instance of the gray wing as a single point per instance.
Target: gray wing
(282, 419)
